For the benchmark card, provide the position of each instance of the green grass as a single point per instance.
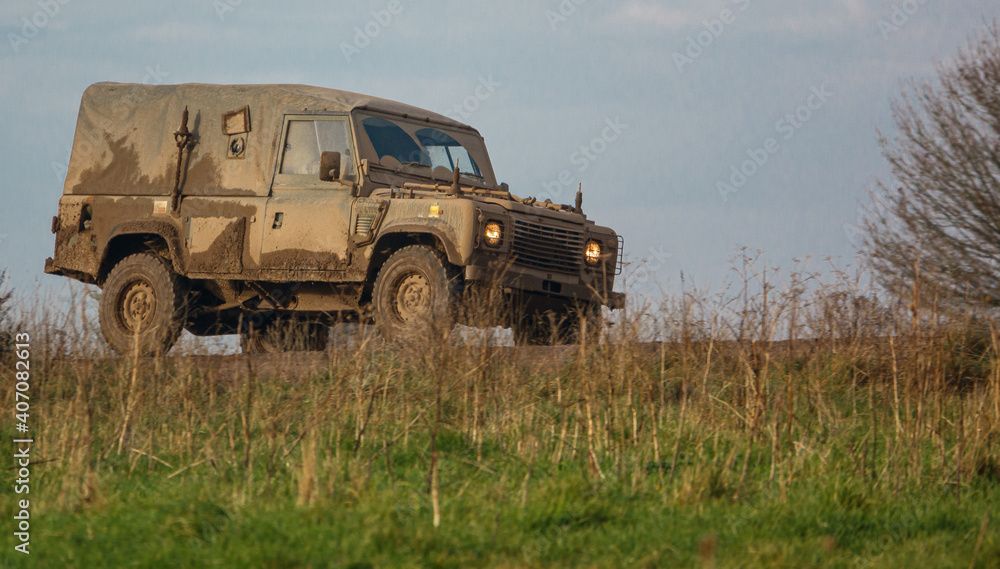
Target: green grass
(567, 519)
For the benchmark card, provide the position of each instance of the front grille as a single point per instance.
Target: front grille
(547, 247)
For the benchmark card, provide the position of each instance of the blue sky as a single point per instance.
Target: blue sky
(651, 105)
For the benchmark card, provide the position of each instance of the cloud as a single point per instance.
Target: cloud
(857, 9)
(649, 14)
(789, 16)
(843, 15)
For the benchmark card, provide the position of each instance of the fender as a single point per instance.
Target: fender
(442, 233)
(159, 227)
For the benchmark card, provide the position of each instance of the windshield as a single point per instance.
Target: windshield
(390, 140)
(399, 143)
(443, 150)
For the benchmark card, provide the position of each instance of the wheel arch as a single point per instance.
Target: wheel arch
(133, 237)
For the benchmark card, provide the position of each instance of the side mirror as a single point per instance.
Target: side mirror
(329, 167)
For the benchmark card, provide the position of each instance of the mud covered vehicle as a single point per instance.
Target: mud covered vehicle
(259, 209)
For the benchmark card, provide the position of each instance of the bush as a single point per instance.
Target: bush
(6, 334)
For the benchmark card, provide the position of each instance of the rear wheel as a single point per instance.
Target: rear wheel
(414, 291)
(143, 305)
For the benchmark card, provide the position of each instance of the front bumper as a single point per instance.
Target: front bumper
(555, 286)
(616, 301)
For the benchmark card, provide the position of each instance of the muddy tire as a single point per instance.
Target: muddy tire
(143, 305)
(415, 291)
(285, 335)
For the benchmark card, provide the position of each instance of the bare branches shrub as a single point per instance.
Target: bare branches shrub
(6, 333)
(935, 226)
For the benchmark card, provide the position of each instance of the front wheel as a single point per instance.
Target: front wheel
(143, 305)
(414, 291)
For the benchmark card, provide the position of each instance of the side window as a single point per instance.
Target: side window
(305, 140)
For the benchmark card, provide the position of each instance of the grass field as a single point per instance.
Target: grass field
(874, 442)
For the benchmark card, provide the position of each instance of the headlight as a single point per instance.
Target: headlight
(493, 234)
(593, 252)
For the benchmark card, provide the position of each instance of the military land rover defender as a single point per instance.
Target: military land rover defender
(225, 209)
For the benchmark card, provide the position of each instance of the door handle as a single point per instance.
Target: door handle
(279, 218)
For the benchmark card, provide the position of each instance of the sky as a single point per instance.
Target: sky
(697, 127)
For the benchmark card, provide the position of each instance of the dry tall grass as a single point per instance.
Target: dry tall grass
(780, 378)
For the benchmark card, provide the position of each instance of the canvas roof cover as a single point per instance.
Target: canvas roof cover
(124, 143)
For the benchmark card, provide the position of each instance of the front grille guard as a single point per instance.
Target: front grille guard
(620, 264)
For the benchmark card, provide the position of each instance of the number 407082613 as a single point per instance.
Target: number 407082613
(22, 366)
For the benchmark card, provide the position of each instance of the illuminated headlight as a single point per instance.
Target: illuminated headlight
(593, 252)
(493, 234)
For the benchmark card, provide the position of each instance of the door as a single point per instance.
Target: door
(307, 219)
